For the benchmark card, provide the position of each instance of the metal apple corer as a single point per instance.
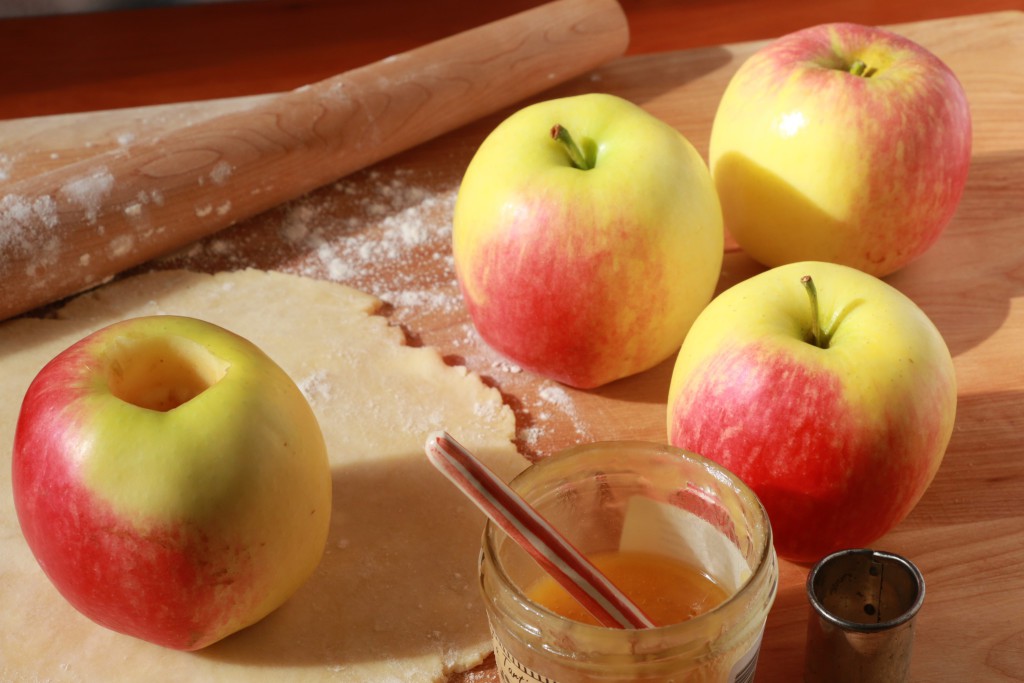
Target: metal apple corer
(861, 625)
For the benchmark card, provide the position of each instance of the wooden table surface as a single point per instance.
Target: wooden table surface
(967, 534)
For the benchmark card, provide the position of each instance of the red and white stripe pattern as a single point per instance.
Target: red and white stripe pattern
(534, 534)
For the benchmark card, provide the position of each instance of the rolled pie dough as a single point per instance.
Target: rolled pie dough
(395, 597)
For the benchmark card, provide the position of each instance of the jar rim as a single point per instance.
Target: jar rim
(765, 560)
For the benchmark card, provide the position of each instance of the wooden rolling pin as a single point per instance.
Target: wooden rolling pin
(74, 227)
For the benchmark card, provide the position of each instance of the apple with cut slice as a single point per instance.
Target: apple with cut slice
(171, 480)
(833, 398)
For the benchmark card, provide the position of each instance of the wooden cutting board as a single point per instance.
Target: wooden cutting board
(386, 230)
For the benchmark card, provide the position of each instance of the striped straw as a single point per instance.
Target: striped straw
(534, 534)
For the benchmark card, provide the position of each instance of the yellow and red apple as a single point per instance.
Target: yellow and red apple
(832, 399)
(841, 143)
(171, 480)
(584, 256)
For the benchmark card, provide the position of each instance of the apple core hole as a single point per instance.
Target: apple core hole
(161, 373)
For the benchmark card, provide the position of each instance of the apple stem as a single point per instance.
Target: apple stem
(859, 68)
(818, 337)
(576, 156)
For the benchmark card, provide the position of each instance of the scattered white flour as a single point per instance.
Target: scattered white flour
(316, 387)
(557, 396)
(221, 172)
(378, 245)
(89, 191)
(21, 218)
(45, 209)
(220, 246)
(506, 366)
(121, 246)
(375, 231)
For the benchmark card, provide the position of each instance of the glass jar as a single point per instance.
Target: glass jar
(620, 496)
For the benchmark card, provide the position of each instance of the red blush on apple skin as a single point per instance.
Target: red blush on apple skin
(147, 579)
(551, 313)
(788, 451)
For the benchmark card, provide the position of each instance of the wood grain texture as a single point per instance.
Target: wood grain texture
(76, 225)
(967, 533)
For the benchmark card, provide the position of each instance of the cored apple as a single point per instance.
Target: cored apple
(171, 480)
